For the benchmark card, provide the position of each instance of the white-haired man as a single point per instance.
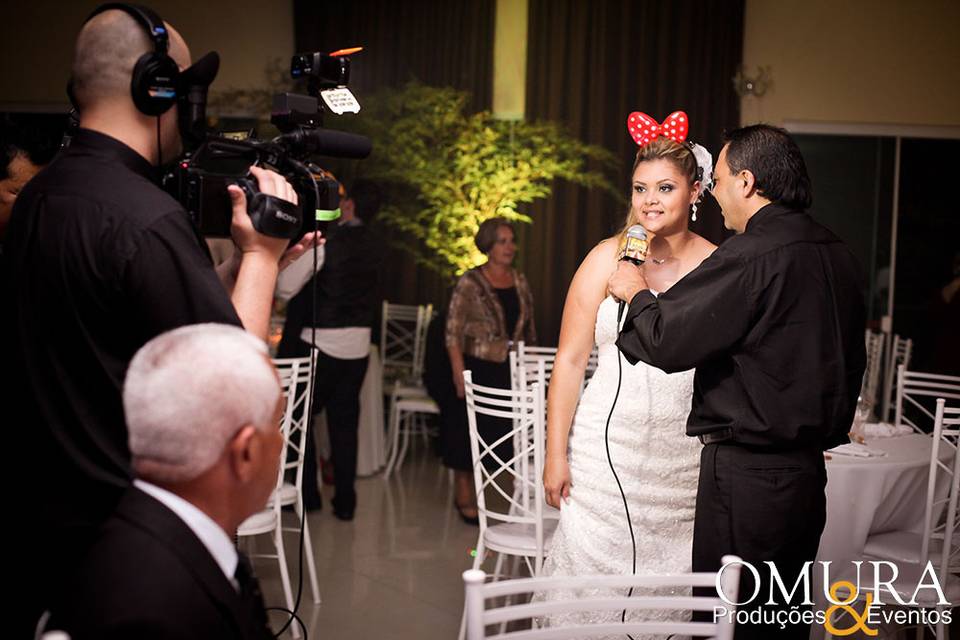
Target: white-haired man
(203, 406)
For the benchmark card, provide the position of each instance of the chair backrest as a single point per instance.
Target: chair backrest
(297, 382)
(914, 385)
(424, 316)
(516, 477)
(493, 605)
(940, 516)
(871, 375)
(526, 361)
(398, 335)
(403, 337)
(901, 350)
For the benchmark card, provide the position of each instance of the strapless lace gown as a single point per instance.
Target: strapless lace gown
(656, 462)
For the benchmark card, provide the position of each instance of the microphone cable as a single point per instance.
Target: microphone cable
(308, 406)
(623, 495)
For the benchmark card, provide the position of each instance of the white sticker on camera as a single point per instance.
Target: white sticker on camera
(340, 100)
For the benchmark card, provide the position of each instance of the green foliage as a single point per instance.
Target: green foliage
(447, 171)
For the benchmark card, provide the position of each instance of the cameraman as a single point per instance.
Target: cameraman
(101, 260)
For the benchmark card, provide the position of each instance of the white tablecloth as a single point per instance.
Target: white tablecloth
(871, 495)
(370, 457)
(874, 495)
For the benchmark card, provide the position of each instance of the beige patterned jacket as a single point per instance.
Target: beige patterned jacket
(475, 319)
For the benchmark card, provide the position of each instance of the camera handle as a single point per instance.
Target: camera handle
(271, 216)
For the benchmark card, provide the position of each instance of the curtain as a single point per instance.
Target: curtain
(589, 65)
(445, 44)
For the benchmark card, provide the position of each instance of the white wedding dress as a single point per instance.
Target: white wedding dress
(656, 462)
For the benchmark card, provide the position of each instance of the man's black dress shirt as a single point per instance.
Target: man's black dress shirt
(100, 261)
(773, 321)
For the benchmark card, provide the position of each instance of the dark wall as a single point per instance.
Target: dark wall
(589, 65)
(436, 42)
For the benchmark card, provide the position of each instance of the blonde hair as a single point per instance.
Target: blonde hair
(662, 149)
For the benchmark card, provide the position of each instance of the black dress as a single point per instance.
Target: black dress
(454, 433)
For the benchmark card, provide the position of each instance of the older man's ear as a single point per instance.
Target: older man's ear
(246, 450)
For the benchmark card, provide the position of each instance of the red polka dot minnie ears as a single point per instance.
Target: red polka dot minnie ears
(644, 129)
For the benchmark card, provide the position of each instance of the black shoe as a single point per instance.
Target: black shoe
(343, 508)
(474, 520)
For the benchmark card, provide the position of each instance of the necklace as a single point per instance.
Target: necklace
(656, 261)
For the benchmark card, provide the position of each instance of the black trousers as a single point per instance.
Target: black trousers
(336, 389)
(761, 506)
(454, 431)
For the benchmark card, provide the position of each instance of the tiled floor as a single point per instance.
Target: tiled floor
(394, 572)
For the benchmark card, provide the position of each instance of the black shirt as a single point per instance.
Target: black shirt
(100, 261)
(773, 321)
(346, 285)
(510, 302)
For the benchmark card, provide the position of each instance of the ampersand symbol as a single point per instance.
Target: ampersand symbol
(860, 621)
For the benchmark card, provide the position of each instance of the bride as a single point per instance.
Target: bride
(656, 463)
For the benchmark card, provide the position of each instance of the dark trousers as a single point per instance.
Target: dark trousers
(336, 389)
(761, 506)
(454, 432)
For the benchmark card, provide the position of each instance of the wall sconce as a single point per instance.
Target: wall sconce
(755, 85)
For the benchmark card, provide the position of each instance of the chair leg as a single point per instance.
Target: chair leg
(424, 431)
(498, 567)
(394, 438)
(285, 577)
(406, 428)
(308, 550)
(477, 563)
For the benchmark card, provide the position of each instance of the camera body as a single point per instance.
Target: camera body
(199, 182)
(200, 179)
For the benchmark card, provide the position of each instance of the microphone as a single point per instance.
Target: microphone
(634, 250)
(327, 142)
(192, 99)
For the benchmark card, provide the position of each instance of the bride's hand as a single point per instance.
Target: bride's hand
(556, 480)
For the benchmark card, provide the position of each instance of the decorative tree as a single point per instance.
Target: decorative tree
(447, 171)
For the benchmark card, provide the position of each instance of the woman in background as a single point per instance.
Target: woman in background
(491, 308)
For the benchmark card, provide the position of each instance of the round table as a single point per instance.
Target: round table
(872, 495)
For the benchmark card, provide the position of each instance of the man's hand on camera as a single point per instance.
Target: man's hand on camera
(247, 239)
(295, 252)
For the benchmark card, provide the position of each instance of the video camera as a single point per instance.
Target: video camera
(200, 179)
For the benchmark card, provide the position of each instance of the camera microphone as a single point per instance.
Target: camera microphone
(327, 142)
(192, 99)
(634, 250)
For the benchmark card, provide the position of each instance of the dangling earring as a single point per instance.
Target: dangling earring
(693, 212)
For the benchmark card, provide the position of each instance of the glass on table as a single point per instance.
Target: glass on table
(861, 416)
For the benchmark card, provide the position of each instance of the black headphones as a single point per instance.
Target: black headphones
(153, 86)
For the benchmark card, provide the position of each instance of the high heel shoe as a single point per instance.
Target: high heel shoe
(474, 519)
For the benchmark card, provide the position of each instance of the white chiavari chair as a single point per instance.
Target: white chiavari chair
(937, 543)
(916, 394)
(485, 614)
(510, 498)
(901, 350)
